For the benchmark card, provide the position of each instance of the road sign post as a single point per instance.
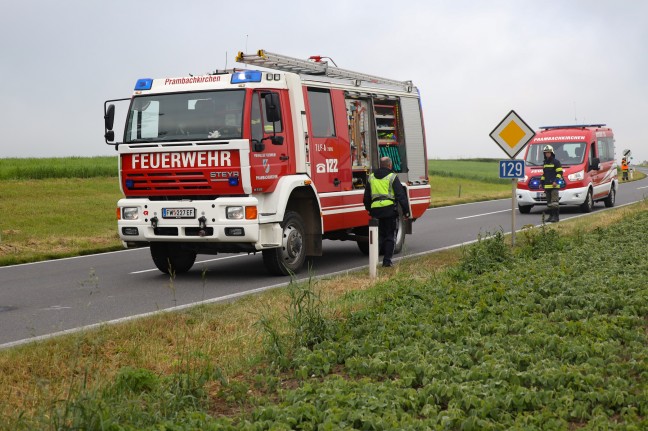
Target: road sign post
(512, 134)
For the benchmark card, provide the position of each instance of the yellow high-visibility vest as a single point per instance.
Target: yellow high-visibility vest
(382, 190)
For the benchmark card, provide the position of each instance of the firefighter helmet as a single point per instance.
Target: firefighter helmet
(547, 149)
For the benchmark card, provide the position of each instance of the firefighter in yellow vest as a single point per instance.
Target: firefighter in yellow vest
(551, 177)
(381, 198)
(624, 169)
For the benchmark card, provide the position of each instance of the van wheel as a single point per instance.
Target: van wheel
(172, 259)
(525, 209)
(290, 256)
(611, 198)
(588, 205)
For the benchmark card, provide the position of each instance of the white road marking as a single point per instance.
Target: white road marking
(479, 215)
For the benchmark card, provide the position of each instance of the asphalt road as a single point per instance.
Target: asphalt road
(48, 298)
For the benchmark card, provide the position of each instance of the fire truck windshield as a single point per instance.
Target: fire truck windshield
(185, 116)
(568, 153)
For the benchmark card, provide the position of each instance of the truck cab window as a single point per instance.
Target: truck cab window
(186, 116)
(256, 124)
(321, 113)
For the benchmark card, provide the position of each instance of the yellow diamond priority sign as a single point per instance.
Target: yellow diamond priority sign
(512, 134)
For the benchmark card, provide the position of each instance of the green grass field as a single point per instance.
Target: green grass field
(480, 338)
(482, 170)
(62, 167)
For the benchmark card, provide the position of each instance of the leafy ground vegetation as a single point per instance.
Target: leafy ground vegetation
(549, 335)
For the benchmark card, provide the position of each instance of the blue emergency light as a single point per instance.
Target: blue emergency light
(233, 181)
(246, 76)
(143, 84)
(130, 184)
(561, 183)
(534, 183)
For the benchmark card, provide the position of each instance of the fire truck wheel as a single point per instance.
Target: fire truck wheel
(611, 198)
(525, 209)
(289, 258)
(588, 205)
(363, 245)
(399, 241)
(172, 259)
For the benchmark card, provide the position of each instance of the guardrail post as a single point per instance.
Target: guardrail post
(373, 247)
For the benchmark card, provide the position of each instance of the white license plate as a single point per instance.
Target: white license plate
(178, 213)
(541, 195)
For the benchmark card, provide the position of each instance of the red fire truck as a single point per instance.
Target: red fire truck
(270, 160)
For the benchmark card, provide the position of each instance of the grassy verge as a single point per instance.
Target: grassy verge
(551, 335)
(59, 167)
(53, 218)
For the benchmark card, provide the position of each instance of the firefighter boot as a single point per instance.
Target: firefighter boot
(552, 216)
(556, 215)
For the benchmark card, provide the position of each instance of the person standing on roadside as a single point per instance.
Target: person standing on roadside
(381, 198)
(624, 169)
(551, 179)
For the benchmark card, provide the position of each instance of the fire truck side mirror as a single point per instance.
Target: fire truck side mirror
(109, 121)
(109, 117)
(273, 107)
(257, 146)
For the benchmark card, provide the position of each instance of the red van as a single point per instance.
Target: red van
(586, 152)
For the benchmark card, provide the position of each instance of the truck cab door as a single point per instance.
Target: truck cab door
(328, 133)
(270, 149)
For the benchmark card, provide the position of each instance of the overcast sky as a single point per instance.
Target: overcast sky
(552, 61)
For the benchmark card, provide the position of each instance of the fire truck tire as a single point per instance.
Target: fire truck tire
(289, 258)
(399, 241)
(525, 209)
(588, 205)
(172, 259)
(362, 244)
(611, 198)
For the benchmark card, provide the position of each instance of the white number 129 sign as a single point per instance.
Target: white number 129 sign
(511, 168)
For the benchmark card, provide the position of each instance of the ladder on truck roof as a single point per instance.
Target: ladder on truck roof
(308, 67)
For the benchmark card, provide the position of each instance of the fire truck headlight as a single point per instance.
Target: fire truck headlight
(576, 176)
(130, 213)
(235, 213)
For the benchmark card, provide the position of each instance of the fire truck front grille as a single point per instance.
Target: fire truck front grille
(166, 181)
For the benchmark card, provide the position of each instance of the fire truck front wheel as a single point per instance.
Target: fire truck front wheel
(171, 258)
(290, 256)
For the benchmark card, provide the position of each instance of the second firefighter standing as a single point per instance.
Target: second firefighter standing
(551, 180)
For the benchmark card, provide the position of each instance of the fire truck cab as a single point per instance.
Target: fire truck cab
(586, 152)
(270, 160)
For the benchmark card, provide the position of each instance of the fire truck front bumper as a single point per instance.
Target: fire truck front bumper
(571, 196)
(222, 220)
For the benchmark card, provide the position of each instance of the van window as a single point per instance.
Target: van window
(605, 149)
(568, 153)
(321, 113)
